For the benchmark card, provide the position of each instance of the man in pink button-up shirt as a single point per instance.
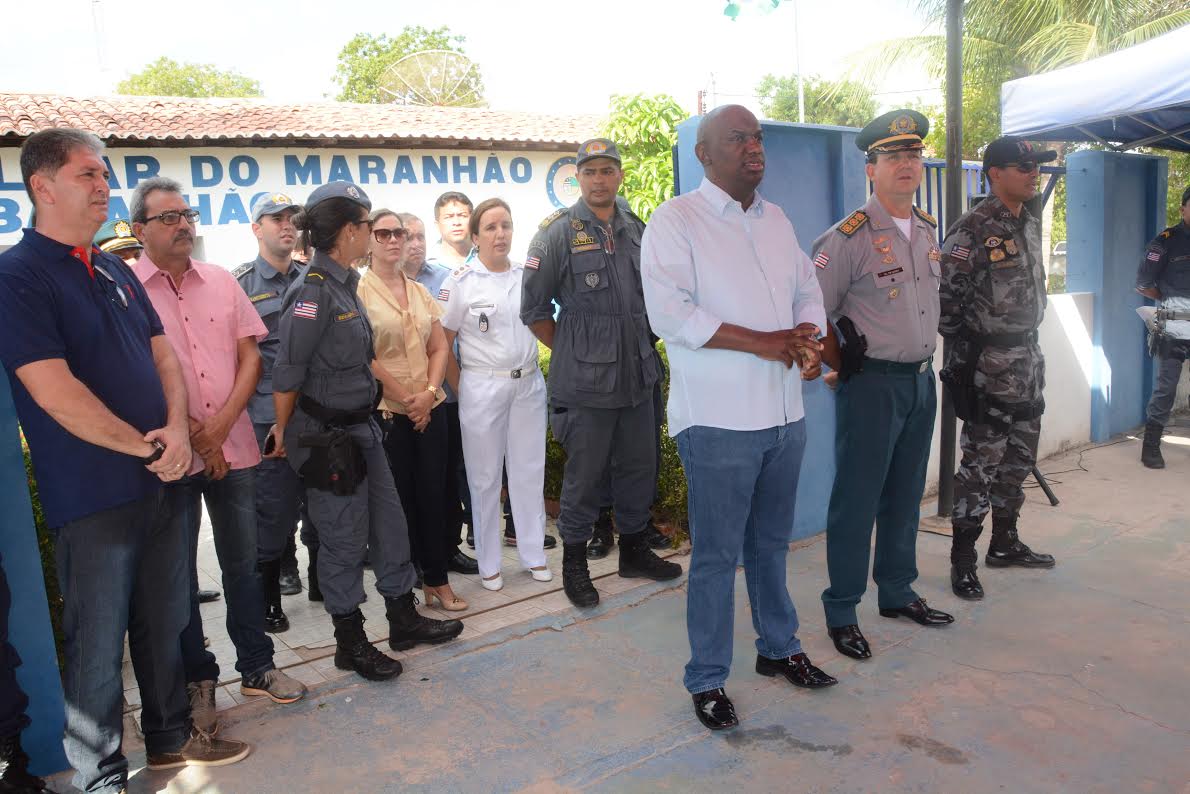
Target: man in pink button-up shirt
(213, 329)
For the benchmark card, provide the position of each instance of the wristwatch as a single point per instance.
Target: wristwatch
(155, 455)
(436, 391)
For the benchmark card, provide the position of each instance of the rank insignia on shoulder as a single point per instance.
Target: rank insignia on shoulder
(460, 270)
(262, 296)
(242, 270)
(1010, 246)
(992, 242)
(996, 255)
(1165, 233)
(851, 225)
(345, 316)
(553, 216)
(576, 224)
(314, 276)
(925, 216)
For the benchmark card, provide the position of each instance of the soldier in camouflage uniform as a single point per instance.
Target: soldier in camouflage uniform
(992, 300)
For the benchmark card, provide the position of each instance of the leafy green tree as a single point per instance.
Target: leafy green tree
(363, 60)
(1007, 39)
(645, 128)
(166, 77)
(827, 102)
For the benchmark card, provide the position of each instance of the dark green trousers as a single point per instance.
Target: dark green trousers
(885, 422)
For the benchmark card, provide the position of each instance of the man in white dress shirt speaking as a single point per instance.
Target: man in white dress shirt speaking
(735, 298)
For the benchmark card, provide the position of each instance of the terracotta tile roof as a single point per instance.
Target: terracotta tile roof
(182, 121)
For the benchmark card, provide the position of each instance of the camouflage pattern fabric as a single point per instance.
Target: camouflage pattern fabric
(993, 282)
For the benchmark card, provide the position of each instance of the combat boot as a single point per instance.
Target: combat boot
(275, 620)
(14, 768)
(407, 627)
(965, 583)
(638, 561)
(313, 591)
(602, 538)
(576, 579)
(1150, 451)
(963, 580)
(354, 652)
(1006, 549)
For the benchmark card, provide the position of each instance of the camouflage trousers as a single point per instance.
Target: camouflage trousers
(996, 460)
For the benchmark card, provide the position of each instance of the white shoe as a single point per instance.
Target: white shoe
(492, 584)
(542, 574)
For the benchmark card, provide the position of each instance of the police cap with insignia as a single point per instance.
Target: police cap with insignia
(272, 204)
(895, 131)
(116, 235)
(338, 189)
(1010, 150)
(598, 147)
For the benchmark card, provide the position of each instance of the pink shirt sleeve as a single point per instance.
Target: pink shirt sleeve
(248, 322)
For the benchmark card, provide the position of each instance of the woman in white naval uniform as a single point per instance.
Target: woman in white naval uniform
(501, 394)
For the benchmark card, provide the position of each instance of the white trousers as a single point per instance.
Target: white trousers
(503, 419)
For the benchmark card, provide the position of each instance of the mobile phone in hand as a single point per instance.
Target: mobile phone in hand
(270, 444)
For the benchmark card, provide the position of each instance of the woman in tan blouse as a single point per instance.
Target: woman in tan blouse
(410, 364)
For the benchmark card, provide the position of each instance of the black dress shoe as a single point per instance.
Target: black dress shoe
(470, 536)
(849, 641)
(207, 596)
(919, 612)
(275, 620)
(715, 710)
(550, 542)
(798, 670)
(461, 563)
(1018, 554)
(291, 583)
(965, 583)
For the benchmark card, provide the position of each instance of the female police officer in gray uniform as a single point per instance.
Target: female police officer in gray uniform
(324, 394)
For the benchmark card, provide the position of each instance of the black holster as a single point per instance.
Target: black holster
(971, 404)
(336, 462)
(853, 348)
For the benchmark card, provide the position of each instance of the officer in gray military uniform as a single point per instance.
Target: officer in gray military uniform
(879, 270)
(992, 301)
(324, 395)
(602, 369)
(1164, 276)
(278, 489)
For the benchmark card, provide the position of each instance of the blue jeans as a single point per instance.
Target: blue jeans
(122, 570)
(231, 503)
(742, 491)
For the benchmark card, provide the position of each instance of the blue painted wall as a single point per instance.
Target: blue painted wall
(1115, 205)
(29, 619)
(816, 175)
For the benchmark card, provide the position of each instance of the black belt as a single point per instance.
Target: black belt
(1018, 339)
(329, 416)
(883, 367)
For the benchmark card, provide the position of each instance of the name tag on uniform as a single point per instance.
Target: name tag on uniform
(892, 272)
(345, 316)
(262, 296)
(584, 242)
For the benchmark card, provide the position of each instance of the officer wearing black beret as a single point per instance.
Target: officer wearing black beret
(879, 272)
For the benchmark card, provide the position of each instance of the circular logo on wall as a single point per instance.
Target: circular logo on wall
(561, 183)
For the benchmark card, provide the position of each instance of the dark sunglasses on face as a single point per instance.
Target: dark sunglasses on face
(171, 217)
(1026, 167)
(384, 235)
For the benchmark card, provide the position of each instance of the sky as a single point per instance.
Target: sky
(557, 56)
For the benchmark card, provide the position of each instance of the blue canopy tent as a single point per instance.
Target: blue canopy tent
(1135, 97)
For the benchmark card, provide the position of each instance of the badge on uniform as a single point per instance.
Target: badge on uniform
(591, 280)
(1010, 246)
(576, 224)
(992, 242)
(960, 252)
(483, 322)
(444, 294)
(935, 255)
(822, 259)
(893, 293)
(584, 242)
(996, 255)
(262, 296)
(345, 316)
(888, 259)
(307, 310)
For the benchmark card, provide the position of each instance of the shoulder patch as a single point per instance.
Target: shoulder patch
(460, 271)
(242, 270)
(925, 216)
(553, 216)
(1166, 233)
(316, 275)
(853, 222)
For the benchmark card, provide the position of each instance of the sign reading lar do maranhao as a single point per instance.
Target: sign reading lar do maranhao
(221, 184)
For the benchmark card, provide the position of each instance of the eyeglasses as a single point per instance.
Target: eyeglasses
(171, 217)
(365, 222)
(384, 235)
(1026, 167)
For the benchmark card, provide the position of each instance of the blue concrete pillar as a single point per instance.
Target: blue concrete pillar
(1115, 205)
(29, 620)
(816, 175)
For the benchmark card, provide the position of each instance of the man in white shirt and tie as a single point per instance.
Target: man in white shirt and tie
(735, 298)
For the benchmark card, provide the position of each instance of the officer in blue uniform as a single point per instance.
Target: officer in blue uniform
(324, 394)
(879, 269)
(278, 488)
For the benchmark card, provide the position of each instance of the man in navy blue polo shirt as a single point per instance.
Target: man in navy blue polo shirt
(102, 403)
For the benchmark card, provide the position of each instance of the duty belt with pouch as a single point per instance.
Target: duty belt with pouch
(853, 348)
(336, 462)
(972, 404)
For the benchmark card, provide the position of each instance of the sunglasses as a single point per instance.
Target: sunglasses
(1026, 167)
(171, 217)
(384, 235)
